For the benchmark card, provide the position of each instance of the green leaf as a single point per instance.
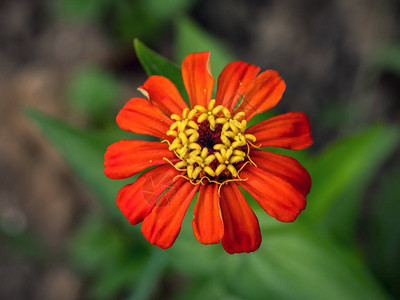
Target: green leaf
(192, 38)
(261, 117)
(295, 262)
(341, 173)
(155, 64)
(84, 151)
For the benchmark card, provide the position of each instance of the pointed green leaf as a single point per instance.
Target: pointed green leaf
(295, 262)
(344, 169)
(155, 64)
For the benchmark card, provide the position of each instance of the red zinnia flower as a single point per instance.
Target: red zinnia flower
(209, 149)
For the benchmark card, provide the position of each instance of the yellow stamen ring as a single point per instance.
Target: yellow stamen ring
(211, 144)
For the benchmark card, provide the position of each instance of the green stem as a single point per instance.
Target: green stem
(151, 277)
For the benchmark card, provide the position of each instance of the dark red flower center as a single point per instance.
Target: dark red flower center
(209, 138)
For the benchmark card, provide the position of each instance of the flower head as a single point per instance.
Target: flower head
(208, 148)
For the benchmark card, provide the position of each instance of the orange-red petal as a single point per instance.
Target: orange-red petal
(233, 82)
(263, 94)
(137, 200)
(241, 228)
(197, 78)
(284, 167)
(142, 117)
(163, 224)
(278, 197)
(163, 93)
(207, 222)
(289, 131)
(126, 158)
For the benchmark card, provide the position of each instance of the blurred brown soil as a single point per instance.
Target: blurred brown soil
(39, 195)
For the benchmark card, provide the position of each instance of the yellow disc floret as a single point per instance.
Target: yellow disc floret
(210, 143)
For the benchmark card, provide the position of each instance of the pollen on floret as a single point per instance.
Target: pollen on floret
(210, 143)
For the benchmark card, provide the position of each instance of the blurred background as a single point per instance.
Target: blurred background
(68, 66)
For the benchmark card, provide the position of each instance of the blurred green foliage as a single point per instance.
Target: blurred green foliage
(190, 38)
(104, 249)
(84, 151)
(315, 257)
(86, 9)
(384, 230)
(388, 57)
(93, 92)
(145, 19)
